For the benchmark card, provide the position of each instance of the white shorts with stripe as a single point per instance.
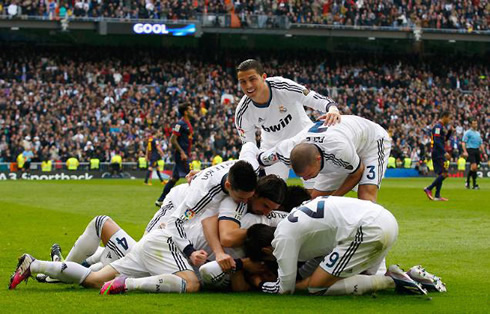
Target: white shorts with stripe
(365, 250)
(154, 254)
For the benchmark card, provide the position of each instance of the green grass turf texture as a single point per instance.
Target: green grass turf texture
(451, 239)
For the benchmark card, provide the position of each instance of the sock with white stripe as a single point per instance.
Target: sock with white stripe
(67, 272)
(356, 285)
(159, 283)
(88, 242)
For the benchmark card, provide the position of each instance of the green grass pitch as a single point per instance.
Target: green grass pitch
(450, 239)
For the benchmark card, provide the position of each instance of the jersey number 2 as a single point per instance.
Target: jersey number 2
(320, 211)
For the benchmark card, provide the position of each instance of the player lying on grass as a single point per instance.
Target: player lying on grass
(353, 235)
(339, 157)
(157, 254)
(102, 227)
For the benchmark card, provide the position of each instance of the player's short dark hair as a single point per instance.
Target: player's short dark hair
(183, 108)
(444, 114)
(302, 156)
(272, 187)
(242, 177)
(295, 196)
(250, 64)
(258, 236)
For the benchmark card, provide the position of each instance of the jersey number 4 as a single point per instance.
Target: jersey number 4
(122, 242)
(320, 212)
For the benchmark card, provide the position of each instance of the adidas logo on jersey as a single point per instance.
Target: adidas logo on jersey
(282, 123)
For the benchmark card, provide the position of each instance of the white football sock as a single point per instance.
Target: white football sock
(68, 272)
(96, 256)
(159, 283)
(356, 285)
(88, 242)
(213, 276)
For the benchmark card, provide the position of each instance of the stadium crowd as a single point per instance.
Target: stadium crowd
(465, 15)
(63, 102)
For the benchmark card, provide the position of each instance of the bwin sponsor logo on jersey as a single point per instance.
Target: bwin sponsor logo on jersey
(282, 124)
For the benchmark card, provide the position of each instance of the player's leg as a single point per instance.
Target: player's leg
(339, 272)
(96, 279)
(438, 170)
(474, 166)
(213, 276)
(154, 265)
(68, 272)
(149, 172)
(171, 183)
(88, 242)
(375, 162)
(443, 176)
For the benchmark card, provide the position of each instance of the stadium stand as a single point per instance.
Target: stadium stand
(69, 101)
(461, 15)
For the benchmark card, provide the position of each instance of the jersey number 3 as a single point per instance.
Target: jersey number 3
(320, 211)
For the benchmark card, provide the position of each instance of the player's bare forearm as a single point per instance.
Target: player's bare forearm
(210, 229)
(230, 234)
(350, 182)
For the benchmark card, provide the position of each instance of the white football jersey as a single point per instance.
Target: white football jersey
(342, 145)
(204, 195)
(314, 229)
(230, 210)
(283, 116)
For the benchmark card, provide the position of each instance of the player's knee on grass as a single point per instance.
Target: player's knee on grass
(97, 279)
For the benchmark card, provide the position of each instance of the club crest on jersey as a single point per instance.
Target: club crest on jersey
(241, 132)
(306, 91)
(189, 214)
(282, 109)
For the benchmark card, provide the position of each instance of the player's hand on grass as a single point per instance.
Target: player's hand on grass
(225, 261)
(332, 117)
(198, 257)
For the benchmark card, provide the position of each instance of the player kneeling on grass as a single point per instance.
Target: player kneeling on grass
(353, 235)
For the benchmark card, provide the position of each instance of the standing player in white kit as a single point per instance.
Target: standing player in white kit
(275, 104)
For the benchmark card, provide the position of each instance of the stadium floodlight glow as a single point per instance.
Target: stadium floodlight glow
(162, 29)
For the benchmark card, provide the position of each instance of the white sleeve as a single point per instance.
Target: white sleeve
(343, 157)
(245, 128)
(286, 250)
(230, 210)
(312, 99)
(249, 153)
